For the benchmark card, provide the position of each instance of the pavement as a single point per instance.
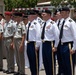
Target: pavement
(26, 70)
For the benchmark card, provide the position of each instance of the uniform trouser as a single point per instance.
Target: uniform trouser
(33, 61)
(59, 58)
(75, 65)
(1, 55)
(25, 54)
(40, 57)
(9, 54)
(65, 55)
(47, 57)
(19, 56)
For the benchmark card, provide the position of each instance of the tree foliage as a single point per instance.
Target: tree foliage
(9, 4)
(63, 2)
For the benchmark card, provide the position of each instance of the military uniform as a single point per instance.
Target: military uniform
(68, 42)
(1, 50)
(59, 22)
(50, 39)
(40, 21)
(33, 40)
(25, 21)
(19, 33)
(8, 39)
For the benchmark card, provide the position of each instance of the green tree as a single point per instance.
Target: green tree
(9, 4)
(55, 2)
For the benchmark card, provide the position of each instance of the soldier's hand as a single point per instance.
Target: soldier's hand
(21, 48)
(12, 45)
(72, 51)
(54, 49)
(36, 48)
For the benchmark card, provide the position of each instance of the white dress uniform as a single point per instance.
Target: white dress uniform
(48, 29)
(40, 21)
(69, 26)
(51, 34)
(69, 36)
(33, 40)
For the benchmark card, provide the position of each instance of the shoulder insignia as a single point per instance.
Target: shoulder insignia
(35, 23)
(52, 22)
(70, 20)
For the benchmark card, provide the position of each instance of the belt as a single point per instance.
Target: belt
(8, 37)
(47, 41)
(30, 41)
(65, 43)
(18, 38)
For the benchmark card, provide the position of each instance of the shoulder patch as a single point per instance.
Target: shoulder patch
(70, 20)
(52, 22)
(35, 23)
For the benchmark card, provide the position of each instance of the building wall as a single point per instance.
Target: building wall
(2, 6)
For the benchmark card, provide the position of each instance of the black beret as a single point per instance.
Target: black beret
(18, 14)
(46, 11)
(31, 12)
(57, 11)
(25, 16)
(65, 9)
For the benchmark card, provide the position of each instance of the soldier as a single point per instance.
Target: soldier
(33, 40)
(1, 50)
(59, 22)
(19, 38)
(50, 34)
(68, 42)
(25, 21)
(40, 21)
(8, 42)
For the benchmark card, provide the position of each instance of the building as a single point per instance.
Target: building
(2, 6)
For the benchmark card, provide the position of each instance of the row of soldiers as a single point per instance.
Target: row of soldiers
(53, 38)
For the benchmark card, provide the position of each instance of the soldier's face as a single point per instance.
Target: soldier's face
(45, 16)
(7, 17)
(64, 13)
(25, 20)
(17, 18)
(31, 17)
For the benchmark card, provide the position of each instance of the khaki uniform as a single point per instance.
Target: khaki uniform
(19, 32)
(8, 36)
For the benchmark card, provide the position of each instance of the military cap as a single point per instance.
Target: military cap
(31, 12)
(37, 12)
(46, 11)
(25, 16)
(8, 13)
(18, 14)
(57, 11)
(65, 9)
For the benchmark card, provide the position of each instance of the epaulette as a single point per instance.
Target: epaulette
(70, 20)
(11, 21)
(35, 23)
(52, 22)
